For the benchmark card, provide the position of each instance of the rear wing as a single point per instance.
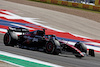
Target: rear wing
(23, 30)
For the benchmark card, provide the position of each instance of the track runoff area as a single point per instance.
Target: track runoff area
(9, 19)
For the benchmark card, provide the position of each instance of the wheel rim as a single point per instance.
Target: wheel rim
(50, 47)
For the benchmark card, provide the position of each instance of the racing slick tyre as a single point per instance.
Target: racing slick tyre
(53, 47)
(82, 47)
(10, 39)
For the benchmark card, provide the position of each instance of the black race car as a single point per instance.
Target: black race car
(39, 40)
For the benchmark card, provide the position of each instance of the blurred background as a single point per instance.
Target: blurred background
(82, 1)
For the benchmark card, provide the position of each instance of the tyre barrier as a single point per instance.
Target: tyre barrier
(71, 4)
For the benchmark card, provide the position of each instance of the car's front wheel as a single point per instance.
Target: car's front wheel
(82, 47)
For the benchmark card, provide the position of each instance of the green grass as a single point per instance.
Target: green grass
(94, 11)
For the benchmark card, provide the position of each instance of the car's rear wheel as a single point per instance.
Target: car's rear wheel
(10, 39)
(52, 47)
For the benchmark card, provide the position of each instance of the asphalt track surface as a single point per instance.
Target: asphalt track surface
(62, 22)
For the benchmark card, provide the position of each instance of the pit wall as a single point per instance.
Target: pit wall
(67, 3)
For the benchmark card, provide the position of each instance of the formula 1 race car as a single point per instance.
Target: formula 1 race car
(39, 40)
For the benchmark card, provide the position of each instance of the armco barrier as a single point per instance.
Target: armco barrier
(67, 3)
